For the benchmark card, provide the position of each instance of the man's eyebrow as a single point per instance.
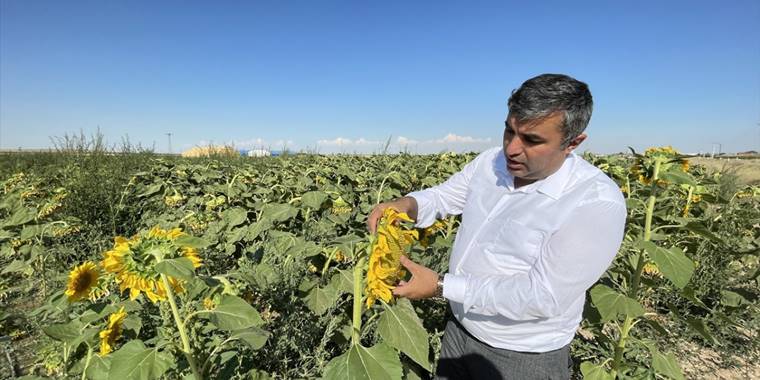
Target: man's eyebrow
(534, 136)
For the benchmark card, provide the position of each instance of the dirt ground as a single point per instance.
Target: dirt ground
(747, 170)
(703, 363)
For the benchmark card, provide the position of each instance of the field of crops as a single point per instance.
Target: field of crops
(141, 267)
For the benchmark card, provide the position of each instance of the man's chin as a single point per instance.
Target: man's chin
(517, 173)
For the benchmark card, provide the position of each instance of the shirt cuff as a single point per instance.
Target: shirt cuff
(425, 214)
(454, 287)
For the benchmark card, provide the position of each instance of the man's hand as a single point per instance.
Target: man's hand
(422, 285)
(406, 205)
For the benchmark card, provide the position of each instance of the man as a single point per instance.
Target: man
(539, 226)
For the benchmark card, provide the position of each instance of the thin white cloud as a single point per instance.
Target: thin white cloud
(338, 141)
(283, 143)
(363, 141)
(401, 140)
(453, 138)
(449, 142)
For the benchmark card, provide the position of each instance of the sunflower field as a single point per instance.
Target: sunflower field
(147, 267)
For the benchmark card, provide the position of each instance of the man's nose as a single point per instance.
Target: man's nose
(514, 147)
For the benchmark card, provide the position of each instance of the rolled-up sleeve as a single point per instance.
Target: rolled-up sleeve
(573, 259)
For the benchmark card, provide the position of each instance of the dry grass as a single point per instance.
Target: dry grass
(746, 170)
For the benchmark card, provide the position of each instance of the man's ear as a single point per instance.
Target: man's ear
(575, 142)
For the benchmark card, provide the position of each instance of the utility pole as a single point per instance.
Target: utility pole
(169, 136)
(720, 148)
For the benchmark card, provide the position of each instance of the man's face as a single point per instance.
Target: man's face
(533, 147)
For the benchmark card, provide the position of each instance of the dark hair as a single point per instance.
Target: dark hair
(546, 94)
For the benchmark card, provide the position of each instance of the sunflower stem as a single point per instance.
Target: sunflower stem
(357, 311)
(629, 322)
(633, 291)
(688, 201)
(380, 191)
(181, 327)
(620, 347)
(329, 259)
(87, 362)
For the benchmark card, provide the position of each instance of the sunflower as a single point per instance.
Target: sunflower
(174, 200)
(340, 207)
(685, 165)
(133, 262)
(643, 167)
(192, 254)
(81, 280)
(429, 232)
(651, 269)
(385, 269)
(112, 332)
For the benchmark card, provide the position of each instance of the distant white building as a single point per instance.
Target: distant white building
(259, 153)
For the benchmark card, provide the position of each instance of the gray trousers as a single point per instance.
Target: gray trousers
(464, 357)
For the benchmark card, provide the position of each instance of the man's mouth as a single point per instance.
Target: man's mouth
(512, 164)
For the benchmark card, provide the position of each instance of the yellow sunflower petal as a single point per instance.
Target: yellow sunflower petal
(81, 281)
(112, 332)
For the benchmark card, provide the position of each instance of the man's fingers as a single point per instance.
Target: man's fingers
(400, 290)
(371, 225)
(409, 264)
(374, 217)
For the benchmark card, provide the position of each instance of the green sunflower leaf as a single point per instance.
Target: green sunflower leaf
(181, 268)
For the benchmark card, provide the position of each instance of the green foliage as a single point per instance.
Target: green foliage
(375, 363)
(273, 297)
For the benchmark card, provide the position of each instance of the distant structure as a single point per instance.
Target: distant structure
(259, 153)
(169, 136)
(717, 147)
(211, 150)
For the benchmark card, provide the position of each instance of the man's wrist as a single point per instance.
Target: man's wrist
(439, 287)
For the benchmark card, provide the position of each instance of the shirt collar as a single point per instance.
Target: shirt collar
(554, 184)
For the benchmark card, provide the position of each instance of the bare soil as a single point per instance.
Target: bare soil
(747, 170)
(704, 363)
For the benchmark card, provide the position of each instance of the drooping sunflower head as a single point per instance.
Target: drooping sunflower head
(385, 269)
(668, 158)
(81, 281)
(133, 261)
(174, 200)
(340, 207)
(112, 332)
(651, 269)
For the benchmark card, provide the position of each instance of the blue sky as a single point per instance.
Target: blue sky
(348, 76)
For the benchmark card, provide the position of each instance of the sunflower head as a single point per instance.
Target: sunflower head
(81, 280)
(133, 261)
(112, 332)
(668, 158)
(340, 207)
(385, 269)
(651, 269)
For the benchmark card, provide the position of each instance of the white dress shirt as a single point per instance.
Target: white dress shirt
(523, 258)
